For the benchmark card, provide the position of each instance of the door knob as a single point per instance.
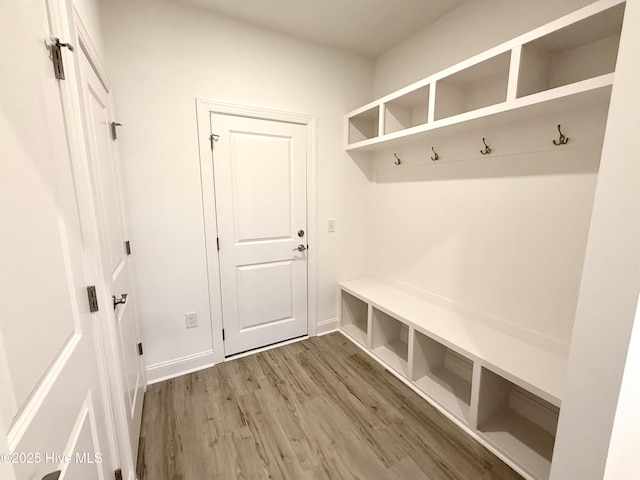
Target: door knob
(119, 301)
(300, 248)
(301, 233)
(52, 476)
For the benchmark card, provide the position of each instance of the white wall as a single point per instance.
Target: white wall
(499, 238)
(472, 28)
(610, 282)
(623, 460)
(161, 56)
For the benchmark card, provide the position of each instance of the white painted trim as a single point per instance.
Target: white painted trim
(178, 367)
(204, 109)
(85, 42)
(312, 202)
(327, 326)
(159, 372)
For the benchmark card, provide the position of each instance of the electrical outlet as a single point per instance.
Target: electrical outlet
(331, 225)
(191, 319)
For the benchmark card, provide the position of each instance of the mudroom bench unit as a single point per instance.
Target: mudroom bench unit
(502, 390)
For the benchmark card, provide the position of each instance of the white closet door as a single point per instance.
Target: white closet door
(51, 401)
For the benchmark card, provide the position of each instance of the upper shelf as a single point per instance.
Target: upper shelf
(565, 64)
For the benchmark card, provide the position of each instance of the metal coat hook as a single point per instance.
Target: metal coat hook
(487, 149)
(562, 140)
(398, 161)
(436, 157)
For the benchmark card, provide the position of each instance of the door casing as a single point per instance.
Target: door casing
(204, 108)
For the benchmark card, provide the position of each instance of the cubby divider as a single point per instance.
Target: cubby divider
(406, 111)
(390, 340)
(582, 50)
(364, 125)
(475, 87)
(443, 374)
(517, 422)
(354, 317)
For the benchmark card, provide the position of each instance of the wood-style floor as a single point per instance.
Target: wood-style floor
(316, 409)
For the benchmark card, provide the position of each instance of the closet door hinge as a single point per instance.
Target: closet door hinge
(218, 243)
(127, 247)
(114, 130)
(118, 474)
(93, 298)
(140, 350)
(213, 138)
(223, 334)
(55, 47)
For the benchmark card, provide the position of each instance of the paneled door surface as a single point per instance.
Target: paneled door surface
(260, 189)
(53, 408)
(102, 153)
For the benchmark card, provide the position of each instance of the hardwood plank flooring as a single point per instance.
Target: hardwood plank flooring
(319, 409)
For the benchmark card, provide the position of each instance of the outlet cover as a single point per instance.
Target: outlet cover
(191, 319)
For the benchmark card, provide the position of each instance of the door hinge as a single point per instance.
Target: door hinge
(218, 243)
(213, 138)
(114, 130)
(118, 474)
(56, 56)
(93, 298)
(140, 351)
(223, 334)
(127, 247)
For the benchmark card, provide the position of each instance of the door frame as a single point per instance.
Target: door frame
(204, 109)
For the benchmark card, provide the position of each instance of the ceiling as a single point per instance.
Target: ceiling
(367, 27)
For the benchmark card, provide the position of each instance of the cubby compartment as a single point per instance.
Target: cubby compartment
(475, 87)
(390, 339)
(353, 315)
(365, 125)
(406, 111)
(582, 50)
(443, 374)
(517, 422)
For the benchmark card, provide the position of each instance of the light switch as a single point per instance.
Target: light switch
(331, 225)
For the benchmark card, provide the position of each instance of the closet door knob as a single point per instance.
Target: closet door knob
(119, 301)
(300, 248)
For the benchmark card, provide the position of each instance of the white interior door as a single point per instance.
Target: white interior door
(260, 188)
(106, 187)
(53, 407)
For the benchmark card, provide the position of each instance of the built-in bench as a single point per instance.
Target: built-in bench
(502, 390)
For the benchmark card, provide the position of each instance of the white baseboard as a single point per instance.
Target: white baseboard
(162, 371)
(179, 366)
(327, 326)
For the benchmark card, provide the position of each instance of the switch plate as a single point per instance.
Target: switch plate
(331, 225)
(191, 319)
